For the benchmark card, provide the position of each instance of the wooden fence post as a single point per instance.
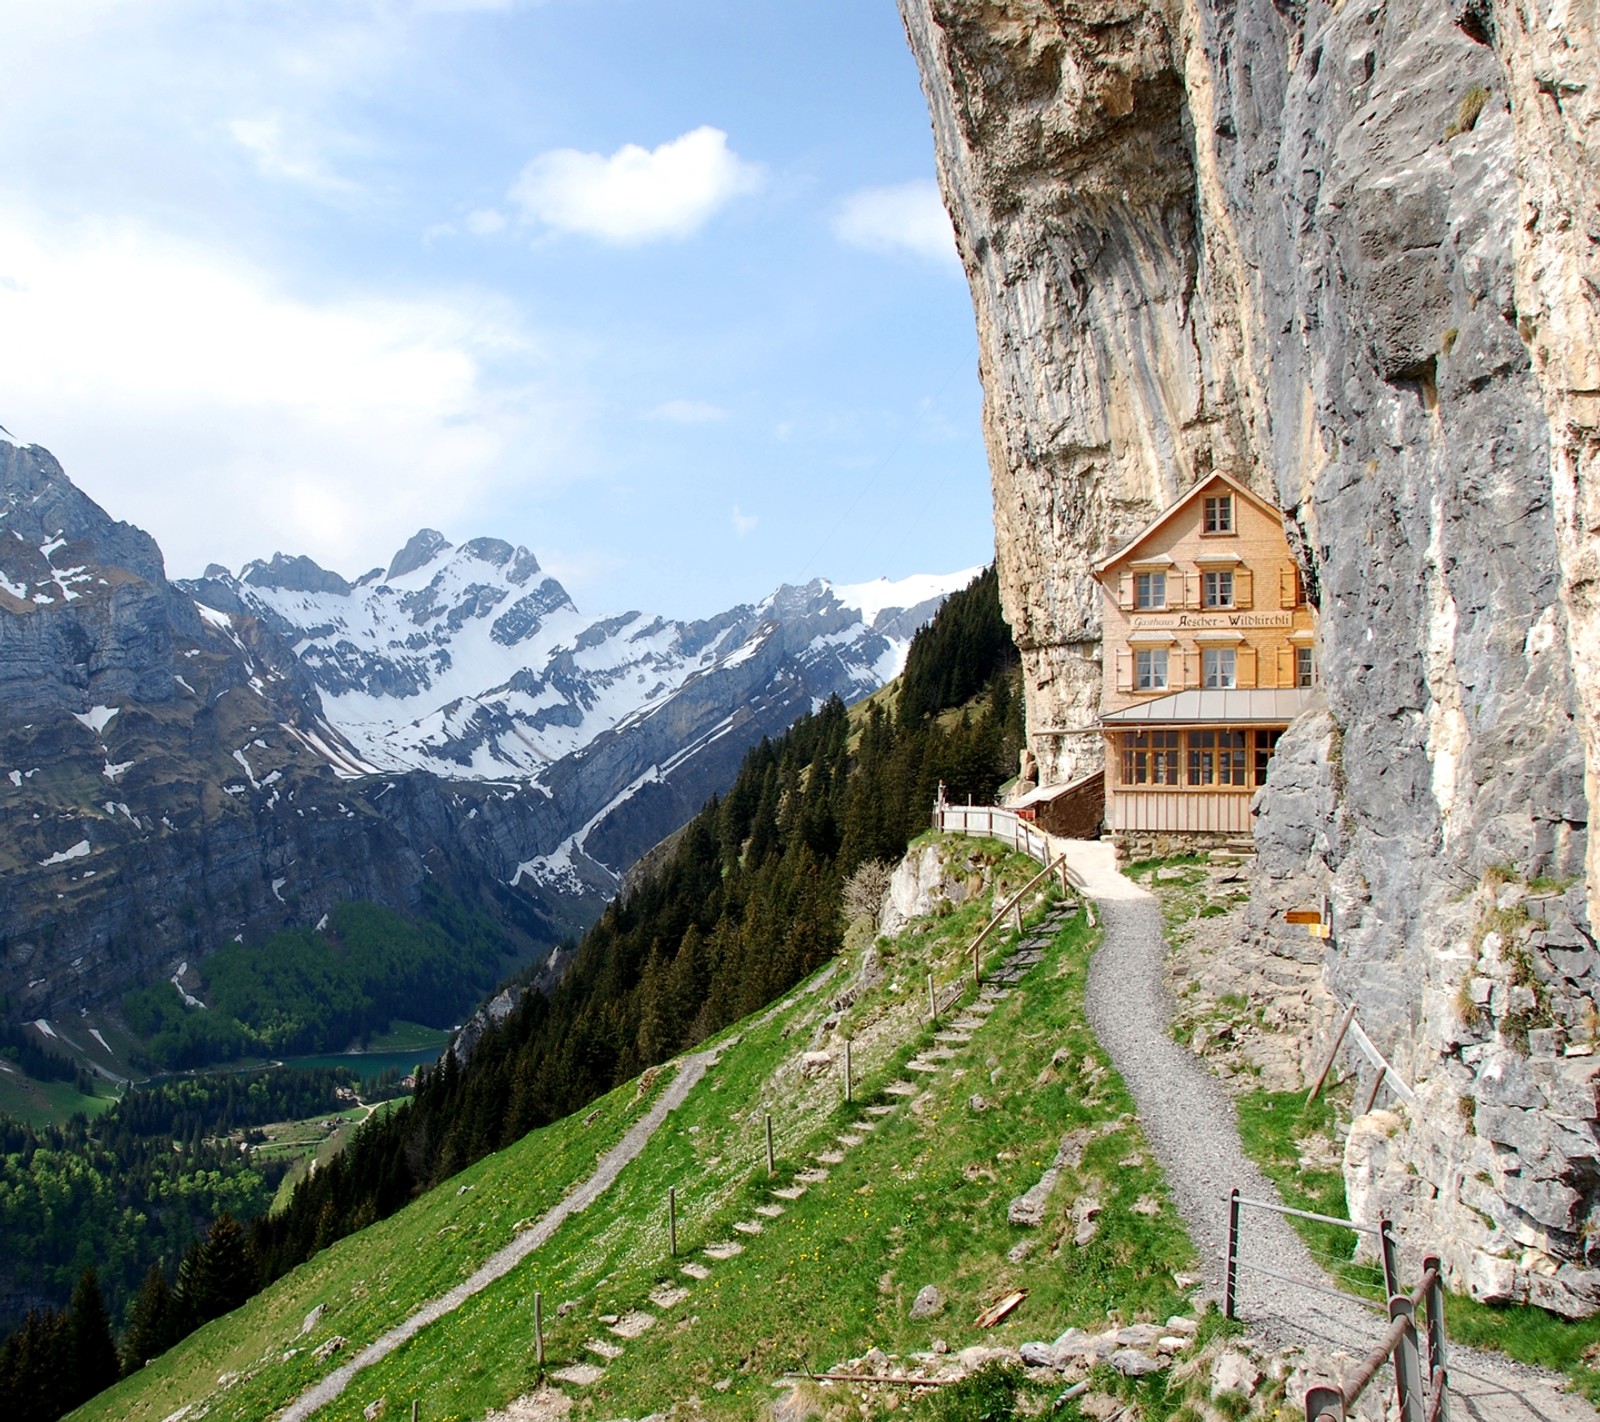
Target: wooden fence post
(849, 1072)
(933, 1006)
(772, 1168)
(1372, 1096)
(538, 1328)
(413, 1410)
(1333, 1052)
(672, 1218)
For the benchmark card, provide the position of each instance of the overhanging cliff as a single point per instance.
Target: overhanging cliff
(1350, 255)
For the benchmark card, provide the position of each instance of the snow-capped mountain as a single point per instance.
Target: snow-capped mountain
(188, 764)
(471, 664)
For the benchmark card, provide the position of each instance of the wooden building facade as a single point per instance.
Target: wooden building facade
(1210, 652)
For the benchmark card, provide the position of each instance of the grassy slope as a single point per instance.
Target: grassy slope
(921, 1200)
(48, 1103)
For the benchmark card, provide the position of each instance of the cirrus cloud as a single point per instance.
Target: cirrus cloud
(904, 217)
(636, 195)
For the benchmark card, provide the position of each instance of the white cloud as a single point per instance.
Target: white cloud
(907, 217)
(485, 221)
(278, 157)
(689, 412)
(636, 195)
(186, 391)
(744, 523)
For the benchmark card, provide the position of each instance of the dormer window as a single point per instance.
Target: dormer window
(1149, 591)
(1218, 513)
(1217, 587)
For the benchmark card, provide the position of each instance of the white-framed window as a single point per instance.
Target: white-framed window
(1305, 666)
(1219, 513)
(1149, 590)
(1150, 668)
(1217, 587)
(1219, 667)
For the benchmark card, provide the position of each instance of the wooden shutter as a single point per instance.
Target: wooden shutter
(1191, 589)
(1285, 666)
(1244, 582)
(1191, 669)
(1244, 667)
(1288, 586)
(1125, 590)
(1124, 668)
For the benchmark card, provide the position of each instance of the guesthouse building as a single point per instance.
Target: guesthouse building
(1209, 653)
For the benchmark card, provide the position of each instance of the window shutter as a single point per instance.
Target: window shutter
(1191, 589)
(1244, 582)
(1245, 667)
(1124, 670)
(1125, 590)
(1191, 669)
(1285, 666)
(1288, 586)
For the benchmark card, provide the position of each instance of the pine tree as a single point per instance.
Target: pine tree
(94, 1354)
(153, 1323)
(218, 1273)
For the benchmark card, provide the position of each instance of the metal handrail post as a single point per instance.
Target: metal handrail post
(1324, 1404)
(1407, 1362)
(1230, 1277)
(1438, 1360)
(1390, 1255)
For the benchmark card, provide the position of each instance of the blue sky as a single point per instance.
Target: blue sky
(661, 290)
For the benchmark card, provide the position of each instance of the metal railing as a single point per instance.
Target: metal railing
(1237, 1203)
(1330, 1402)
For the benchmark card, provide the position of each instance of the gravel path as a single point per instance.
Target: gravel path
(690, 1070)
(1193, 1130)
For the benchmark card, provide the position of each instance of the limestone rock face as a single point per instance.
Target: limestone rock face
(1349, 255)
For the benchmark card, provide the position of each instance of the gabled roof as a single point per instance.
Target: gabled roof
(1169, 513)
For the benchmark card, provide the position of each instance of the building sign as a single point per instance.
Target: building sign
(1208, 621)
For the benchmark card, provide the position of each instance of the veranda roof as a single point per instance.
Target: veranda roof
(1220, 707)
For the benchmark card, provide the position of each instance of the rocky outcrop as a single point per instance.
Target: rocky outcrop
(1348, 255)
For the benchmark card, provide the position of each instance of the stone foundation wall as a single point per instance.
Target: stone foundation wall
(1135, 845)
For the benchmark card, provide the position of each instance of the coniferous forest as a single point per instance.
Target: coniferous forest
(748, 902)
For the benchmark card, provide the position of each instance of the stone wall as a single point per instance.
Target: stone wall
(1348, 255)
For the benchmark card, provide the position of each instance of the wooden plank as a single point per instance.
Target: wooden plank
(1002, 1306)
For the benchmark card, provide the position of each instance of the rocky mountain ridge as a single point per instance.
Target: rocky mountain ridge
(469, 664)
(185, 764)
(1350, 257)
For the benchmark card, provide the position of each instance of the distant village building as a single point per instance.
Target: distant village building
(1210, 652)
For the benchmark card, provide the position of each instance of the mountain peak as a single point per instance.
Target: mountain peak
(424, 546)
(297, 574)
